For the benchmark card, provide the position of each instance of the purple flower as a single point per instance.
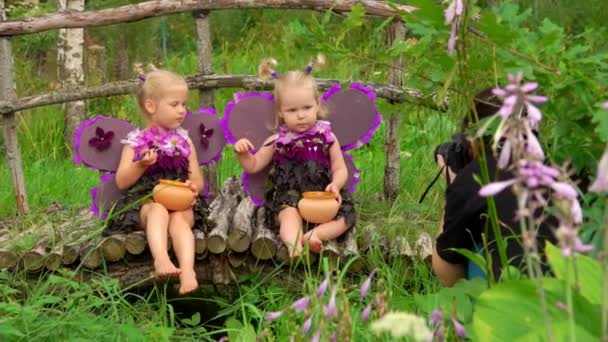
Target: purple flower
(316, 337)
(561, 306)
(366, 312)
(271, 316)
(333, 337)
(576, 212)
(459, 328)
(102, 140)
(307, 324)
(205, 135)
(564, 190)
(452, 17)
(492, 189)
(366, 284)
(173, 144)
(569, 242)
(301, 304)
(223, 339)
(601, 179)
(436, 317)
(330, 309)
(322, 288)
(605, 105)
(516, 96)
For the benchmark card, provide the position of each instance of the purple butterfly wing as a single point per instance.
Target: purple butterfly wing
(249, 115)
(353, 173)
(252, 116)
(206, 134)
(97, 142)
(353, 114)
(105, 195)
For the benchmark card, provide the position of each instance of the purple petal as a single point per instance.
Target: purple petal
(532, 182)
(529, 86)
(500, 92)
(108, 136)
(505, 155)
(99, 132)
(366, 312)
(536, 98)
(534, 147)
(492, 189)
(534, 114)
(366, 284)
(459, 328)
(450, 13)
(564, 190)
(452, 39)
(307, 325)
(330, 309)
(316, 337)
(301, 304)
(436, 317)
(322, 288)
(576, 212)
(271, 316)
(333, 338)
(223, 339)
(459, 7)
(580, 247)
(605, 105)
(550, 171)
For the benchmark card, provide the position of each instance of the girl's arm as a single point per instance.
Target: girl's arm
(339, 172)
(252, 163)
(196, 177)
(128, 171)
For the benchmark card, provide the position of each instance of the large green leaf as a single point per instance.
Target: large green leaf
(589, 272)
(513, 311)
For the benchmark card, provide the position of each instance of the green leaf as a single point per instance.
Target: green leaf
(237, 332)
(194, 320)
(589, 272)
(600, 117)
(513, 311)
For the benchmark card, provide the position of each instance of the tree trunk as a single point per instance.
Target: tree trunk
(70, 60)
(9, 123)
(391, 137)
(205, 65)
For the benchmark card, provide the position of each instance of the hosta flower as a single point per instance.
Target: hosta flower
(301, 304)
(605, 105)
(271, 316)
(366, 284)
(453, 15)
(322, 288)
(516, 96)
(366, 312)
(307, 324)
(330, 309)
(459, 328)
(316, 337)
(569, 242)
(601, 178)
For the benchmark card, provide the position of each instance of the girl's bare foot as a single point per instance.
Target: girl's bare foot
(165, 268)
(187, 282)
(314, 243)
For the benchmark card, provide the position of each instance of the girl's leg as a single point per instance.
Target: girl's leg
(323, 232)
(290, 231)
(180, 229)
(155, 219)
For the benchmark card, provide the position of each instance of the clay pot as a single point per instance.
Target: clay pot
(173, 195)
(318, 206)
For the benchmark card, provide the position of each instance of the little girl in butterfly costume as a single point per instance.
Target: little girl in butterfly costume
(162, 150)
(305, 156)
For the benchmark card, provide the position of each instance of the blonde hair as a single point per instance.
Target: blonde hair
(152, 83)
(292, 78)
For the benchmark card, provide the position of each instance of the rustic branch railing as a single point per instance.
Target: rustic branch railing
(149, 9)
(385, 91)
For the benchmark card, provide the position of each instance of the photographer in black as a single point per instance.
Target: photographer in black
(465, 222)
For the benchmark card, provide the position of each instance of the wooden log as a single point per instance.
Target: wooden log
(91, 256)
(148, 9)
(33, 260)
(386, 91)
(136, 242)
(54, 258)
(71, 252)
(8, 258)
(222, 214)
(400, 248)
(221, 273)
(205, 66)
(391, 138)
(350, 251)
(331, 251)
(240, 232)
(9, 121)
(424, 246)
(113, 247)
(200, 243)
(282, 252)
(264, 245)
(237, 260)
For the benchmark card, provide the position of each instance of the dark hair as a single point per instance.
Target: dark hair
(486, 104)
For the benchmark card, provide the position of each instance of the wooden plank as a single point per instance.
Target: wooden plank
(149, 9)
(249, 82)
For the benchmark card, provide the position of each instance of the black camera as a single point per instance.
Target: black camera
(454, 153)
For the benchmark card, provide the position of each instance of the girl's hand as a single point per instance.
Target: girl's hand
(243, 146)
(331, 187)
(194, 190)
(149, 158)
